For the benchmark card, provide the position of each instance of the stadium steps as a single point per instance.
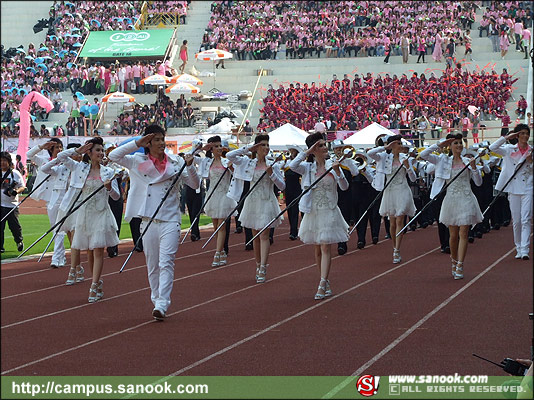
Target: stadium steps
(18, 19)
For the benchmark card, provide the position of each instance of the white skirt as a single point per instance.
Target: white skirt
(256, 215)
(458, 212)
(397, 199)
(323, 226)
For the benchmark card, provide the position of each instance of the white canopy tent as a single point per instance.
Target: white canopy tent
(367, 136)
(286, 135)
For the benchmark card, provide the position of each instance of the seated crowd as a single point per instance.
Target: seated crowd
(383, 98)
(256, 30)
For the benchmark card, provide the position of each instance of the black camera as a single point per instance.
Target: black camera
(10, 189)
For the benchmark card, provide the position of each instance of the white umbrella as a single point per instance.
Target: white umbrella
(213, 55)
(156, 80)
(182, 88)
(186, 78)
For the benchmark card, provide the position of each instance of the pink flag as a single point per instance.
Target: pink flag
(25, 120)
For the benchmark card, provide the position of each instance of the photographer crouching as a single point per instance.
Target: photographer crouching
(12, 185)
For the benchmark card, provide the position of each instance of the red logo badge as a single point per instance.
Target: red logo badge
(367, 385)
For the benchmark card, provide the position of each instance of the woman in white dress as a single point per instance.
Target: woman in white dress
(323, 223)
(56, 167)
(94, 227)
(219, 206)
(459, 209)
(397, 199)
(261, 205)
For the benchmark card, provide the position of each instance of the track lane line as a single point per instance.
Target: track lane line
(202, 304)
(110, 273)
(300, 313)
(211, 270)
(409, 331)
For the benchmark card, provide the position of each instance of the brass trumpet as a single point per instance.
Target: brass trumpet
(361, 160)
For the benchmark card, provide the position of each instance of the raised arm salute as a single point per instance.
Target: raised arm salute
(397, 200)
(517, 159)
(459, 209)
(323, 223)
(151, 175)
(261, 205)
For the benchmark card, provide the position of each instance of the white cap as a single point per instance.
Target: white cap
(294, 146)
(337, 143)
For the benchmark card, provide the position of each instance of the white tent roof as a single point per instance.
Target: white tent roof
(286, 135)
(367, 136)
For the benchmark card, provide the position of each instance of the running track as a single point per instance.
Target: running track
(409, 318)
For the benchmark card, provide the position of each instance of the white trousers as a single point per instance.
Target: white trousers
(160, 244)
(521, 210)
(58, 258)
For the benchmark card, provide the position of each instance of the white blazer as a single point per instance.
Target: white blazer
(203, 165)
(78, 175)
(148, 185)
(61, 175)
(384, 166)
(522, 182)
(244, 167)
(308, 170)
(45, 191)
(443, 170)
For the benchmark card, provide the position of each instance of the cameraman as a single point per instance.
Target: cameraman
(12, 185)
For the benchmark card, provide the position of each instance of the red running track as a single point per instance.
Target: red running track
(408, 318)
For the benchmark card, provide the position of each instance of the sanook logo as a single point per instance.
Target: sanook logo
(367, 385)
(129, 37)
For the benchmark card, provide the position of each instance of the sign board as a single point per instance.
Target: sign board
(127, 44)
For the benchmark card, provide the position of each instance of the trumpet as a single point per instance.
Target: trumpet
(361, 159)
(280, 155)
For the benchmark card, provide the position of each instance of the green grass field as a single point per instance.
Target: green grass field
(33, 226)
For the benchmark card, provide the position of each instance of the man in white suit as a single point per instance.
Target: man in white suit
(151, 175)
(520, 187)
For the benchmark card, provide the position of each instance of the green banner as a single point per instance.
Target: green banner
(123, 44)
(273, 387)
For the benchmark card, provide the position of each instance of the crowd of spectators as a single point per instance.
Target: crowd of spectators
(256, 30)
(395, 102)
(178, 8)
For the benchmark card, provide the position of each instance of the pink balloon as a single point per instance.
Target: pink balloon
(25, 120)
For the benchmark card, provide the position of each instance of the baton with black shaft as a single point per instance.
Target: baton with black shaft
(24, 199)
(239, 204)
(203, 205)
(64, 218)
(443, 189)
(379, 195)
(504, 187)
(59, 227)
(296, 199)
(154, 215)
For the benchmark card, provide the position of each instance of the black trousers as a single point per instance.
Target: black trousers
(135, 229)
(117, 207)
(13, 223)
(362, 196)
(193, 200)
(443, 230)
(293, 214)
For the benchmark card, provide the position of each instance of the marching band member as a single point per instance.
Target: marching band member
(363, 195)
(460, 208)
(53, 147)
(292, 191)
(349, 169)
(58, 168)
(219, 206)
(193, 200)
(95, 228)
(520, 188)
(443, 230)
(151, 175)
(261, 205)
(397, 200)
(117, 206)
(323, 222)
